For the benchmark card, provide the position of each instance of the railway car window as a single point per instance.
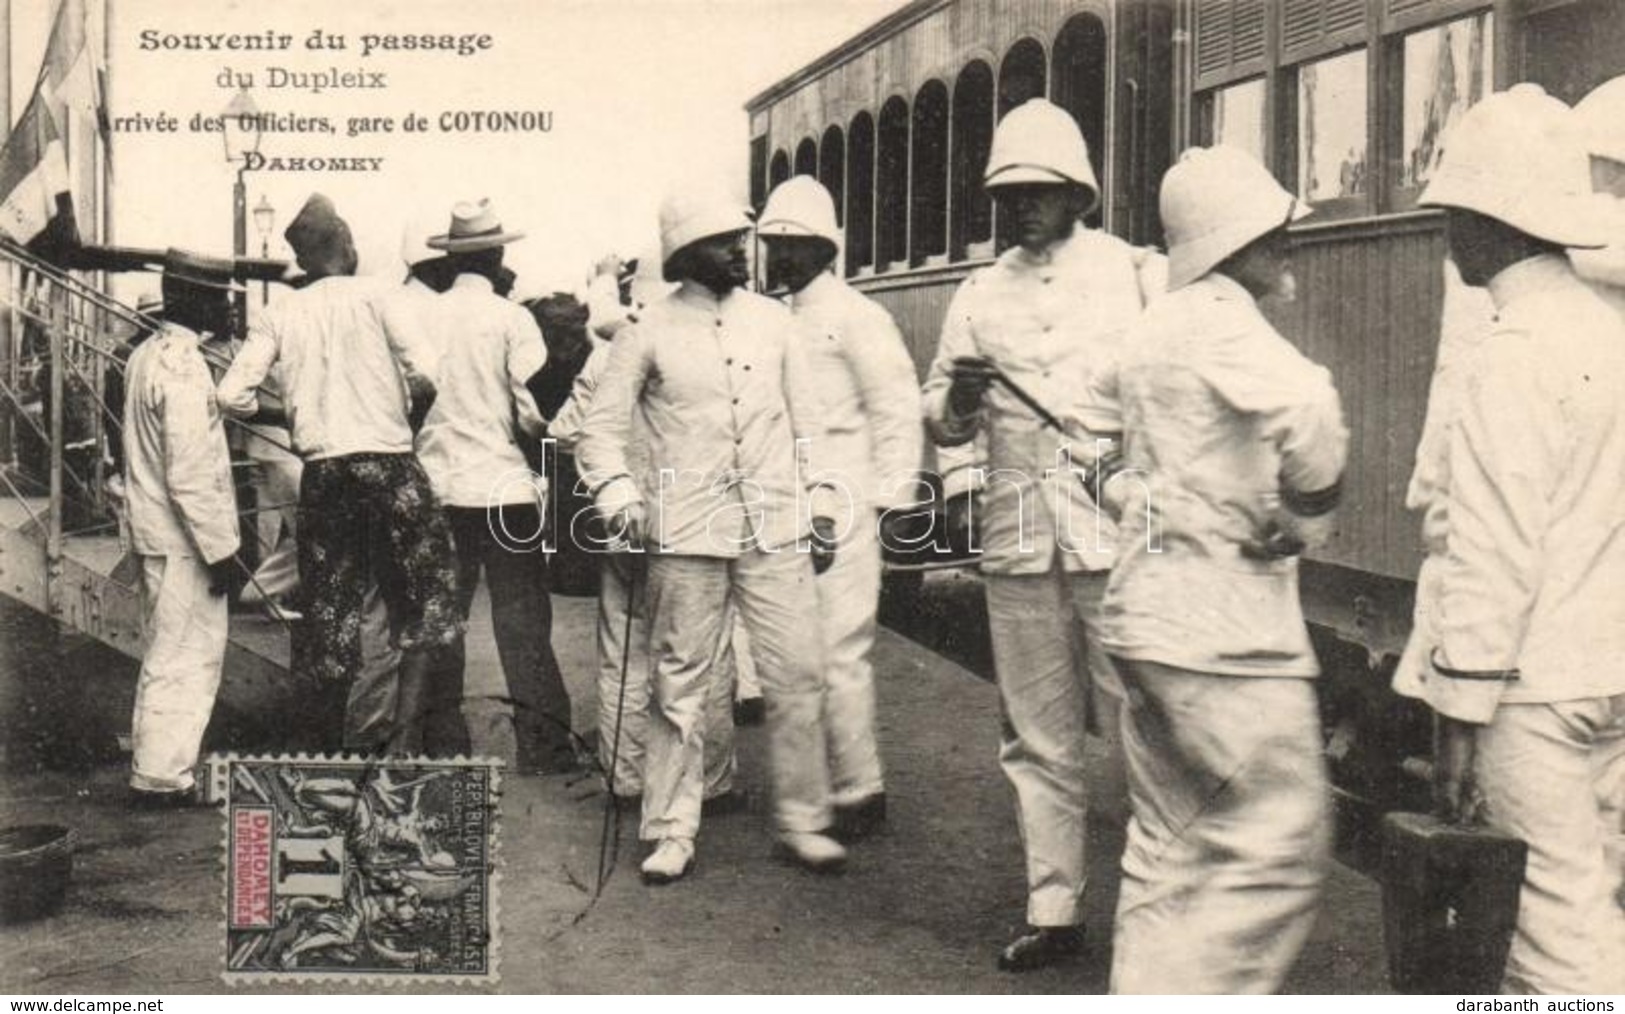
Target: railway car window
(758, 172)
(1080, 85)
(860, 194)
(1021, 75)
(928, 202)
(891, 185)
(1235, 116)
(832, 169)
(807, 157)
(1332, 142)
(1446, 69)
(779, 170)
(969, 209)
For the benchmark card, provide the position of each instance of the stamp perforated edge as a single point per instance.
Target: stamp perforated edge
(219, 783)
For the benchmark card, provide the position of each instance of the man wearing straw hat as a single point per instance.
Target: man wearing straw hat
(182, 512)
(724, 400)
(357, 377)
(1041, 319)
(1525, 674)
(490, 349)
(1238, 443)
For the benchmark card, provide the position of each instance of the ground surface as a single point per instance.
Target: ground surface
(922, 908)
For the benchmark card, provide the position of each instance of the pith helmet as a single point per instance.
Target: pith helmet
(800, 206)
(687, 217)
(1518, 157)
(1039, 142)
(1601, 116)
(1214, 202)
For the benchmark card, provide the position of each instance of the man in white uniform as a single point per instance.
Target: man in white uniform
(726, 406)
(1238, 444)
(1527, 678)
(183, 526)
(1047, 314)
(865, 380)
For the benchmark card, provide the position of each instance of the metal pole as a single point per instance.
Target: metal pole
(239, 244)
(265, 284)
(53, 537)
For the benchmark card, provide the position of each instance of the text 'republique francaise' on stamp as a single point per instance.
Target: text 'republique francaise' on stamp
(359, 869)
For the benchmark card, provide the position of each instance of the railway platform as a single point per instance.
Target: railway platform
(921, 909)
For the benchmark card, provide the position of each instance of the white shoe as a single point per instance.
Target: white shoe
(817, 852)
(671, 860)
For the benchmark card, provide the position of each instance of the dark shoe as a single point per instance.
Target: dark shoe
(862, 819)
(629, 803)
(750, 711)
(732, 801)
(1040, 947)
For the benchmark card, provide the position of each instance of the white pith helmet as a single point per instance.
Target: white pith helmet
(1214, 201)
(1039, 142)
(800, 206)
(689, 216)
(1601, 115)
(1519, 157)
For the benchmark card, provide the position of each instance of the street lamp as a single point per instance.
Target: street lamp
(241, 132)
(264, 219)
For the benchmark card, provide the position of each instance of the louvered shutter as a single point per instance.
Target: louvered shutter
(1229, 40)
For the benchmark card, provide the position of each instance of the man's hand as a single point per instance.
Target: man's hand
(221, 574)
(972, 375)
(629, 525)
(1273, 543)
(609, 264)
(822, 542)
(959, 517)
(1456, 797)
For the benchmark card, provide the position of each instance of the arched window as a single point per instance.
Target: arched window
(1021, 75)
(807, 157)
(928, 201)
(891, 185)
(832, 168)
(860, 194)
(971, 211)
(779, 170)
(1080, 84)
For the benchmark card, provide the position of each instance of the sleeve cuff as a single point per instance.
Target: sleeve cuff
(1467, 695)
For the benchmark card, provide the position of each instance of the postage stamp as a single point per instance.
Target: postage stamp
(359, 869)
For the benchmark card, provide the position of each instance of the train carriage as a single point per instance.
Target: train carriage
(1345, 100)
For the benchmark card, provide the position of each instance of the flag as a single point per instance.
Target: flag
(35, 185)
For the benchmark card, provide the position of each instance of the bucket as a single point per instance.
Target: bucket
(36, 861)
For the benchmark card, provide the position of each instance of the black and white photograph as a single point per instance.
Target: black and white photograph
(867, 497)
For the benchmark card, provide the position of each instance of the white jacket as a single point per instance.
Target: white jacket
(1534, 573)
(1050, 321)
(1220, 418)
(177, 467)
(865, 381)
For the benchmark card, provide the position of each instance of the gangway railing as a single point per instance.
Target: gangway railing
(60, 341)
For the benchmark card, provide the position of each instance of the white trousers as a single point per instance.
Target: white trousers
(630, 757)
(848, 596)
(186, 649)
(1554, 775)
(687, 602)
(276, 485)
(1230, 835)
(1048, 681)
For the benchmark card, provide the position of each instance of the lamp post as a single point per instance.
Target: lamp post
(241, 134)
(264, 219)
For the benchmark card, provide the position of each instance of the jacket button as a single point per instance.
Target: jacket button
(729, 360)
